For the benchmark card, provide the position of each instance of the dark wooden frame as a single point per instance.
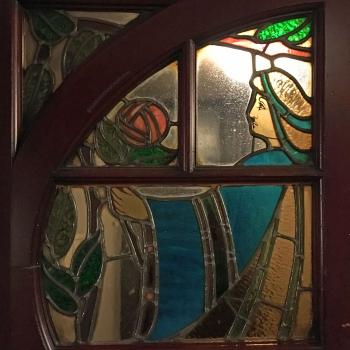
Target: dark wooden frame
(37, 163)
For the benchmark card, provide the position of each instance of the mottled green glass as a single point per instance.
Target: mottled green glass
(301, 34)
(279, 29)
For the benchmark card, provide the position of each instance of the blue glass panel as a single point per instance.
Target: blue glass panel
(273, 157)
(181, 267)
(250, 210)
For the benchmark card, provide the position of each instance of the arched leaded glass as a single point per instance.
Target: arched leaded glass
(210, 261)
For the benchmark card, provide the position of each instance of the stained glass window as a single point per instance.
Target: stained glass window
(255, 94)
(142, 129)
(55, 43)
(118, 264)
(198, 259)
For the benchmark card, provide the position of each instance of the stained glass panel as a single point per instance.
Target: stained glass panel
(122, 267)
(55, 43)
(254, 96)
(141, 130)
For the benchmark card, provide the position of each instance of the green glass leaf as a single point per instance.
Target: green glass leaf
(279, 29)
(50, 26)
(82, 251)
(59, 288)
(60, 230)
(301, 35)
(38, 86)
(79, 47)
(109, 144)
(155, 155)
(90, 267)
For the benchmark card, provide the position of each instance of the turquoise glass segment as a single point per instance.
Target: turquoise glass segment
(181, 267)
(250, 210)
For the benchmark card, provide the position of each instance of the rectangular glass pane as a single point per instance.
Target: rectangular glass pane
(254, 96)
(120, 266)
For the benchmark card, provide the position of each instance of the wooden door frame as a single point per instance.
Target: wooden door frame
(35, 166)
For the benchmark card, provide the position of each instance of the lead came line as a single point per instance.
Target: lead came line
(208, 252)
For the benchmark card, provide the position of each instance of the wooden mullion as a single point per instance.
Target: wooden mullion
(300, 345)
(187, 106)
(176, 175)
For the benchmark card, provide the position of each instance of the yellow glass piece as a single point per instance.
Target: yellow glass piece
(258, 84)
(279, 271)
(307, 43)
(286, 225)
(300, 139)
(266, 322)
(82, 224)
(300, 70)
(112, 233)
(307, 268)
(64, 326)
(304, 317)
(261, 120)
(107, 328)
(250, 32)
(289, 94)
(127, 203)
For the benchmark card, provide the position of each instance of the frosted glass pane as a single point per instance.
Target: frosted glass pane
(223, 92)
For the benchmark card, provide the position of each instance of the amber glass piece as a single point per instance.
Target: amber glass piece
(304, 317)
(286, 224)
(266, 322)
(277, 278)
(307, 268)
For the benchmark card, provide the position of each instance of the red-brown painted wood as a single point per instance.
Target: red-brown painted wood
(336, 163)
(6, 10)
(120, 65)
(97, 4)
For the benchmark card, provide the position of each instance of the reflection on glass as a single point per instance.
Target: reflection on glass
(142, 129)
(223, 93)
(254, 93)
(119, 266)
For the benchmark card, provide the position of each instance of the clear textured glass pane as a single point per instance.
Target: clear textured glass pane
(223, 76)
(141, 130)
(119, 266)
(254, 96)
